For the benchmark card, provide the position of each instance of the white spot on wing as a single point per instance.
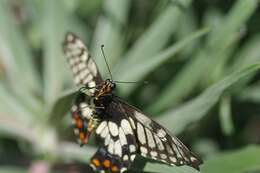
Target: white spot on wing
(91, 84)
(140, 133)
(101, 127)
(132, 157)
(107, 140)
(118, 148)
(161, 133)
(163, 156)
(151, 142)
(159, 143)
(88, 78)
(111, 147)
(193, 159)
(92, 67)
(87, 112)
(123, 170)
(122, 137)
(125, 158)
(113, 128)
(143, 119)
(132, 123)
(153, 153)
(143, 150)
(126, 127)
(70, 37)
(132, 148)
(84, 56)
(76, 131)
(104, 132)
(73, 108)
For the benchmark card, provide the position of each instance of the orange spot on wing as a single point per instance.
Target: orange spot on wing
(106, 163)
(79, 123)
(82, 136)
(96, 162)
(115, 169)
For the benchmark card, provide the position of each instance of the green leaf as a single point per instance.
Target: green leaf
(53, 32)
(61, 106)
(144, 67)
(207, 58)
(240, 161)
(16, 53)
(188, 24)
(12, 107)
(176, 120)
(153, 40)
(16, 129)
(109, 31)
(247, 54)
(251, 93)
(9, 169)
(225, 116)
(163, 168)
(17, 60)
(75, 152)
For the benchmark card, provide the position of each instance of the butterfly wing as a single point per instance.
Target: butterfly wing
(155, 142)
(82, 112)
(85, 74)
(119, 144)
(82, 65)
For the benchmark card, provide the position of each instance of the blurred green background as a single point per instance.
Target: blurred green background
(201, 59)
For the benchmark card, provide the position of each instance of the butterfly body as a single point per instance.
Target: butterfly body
(124, 131)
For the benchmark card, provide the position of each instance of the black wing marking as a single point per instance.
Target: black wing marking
(81, 112)
(82, 65)
(118, 138)
(156, 142)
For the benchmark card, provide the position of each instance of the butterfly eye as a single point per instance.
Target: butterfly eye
(113, 85)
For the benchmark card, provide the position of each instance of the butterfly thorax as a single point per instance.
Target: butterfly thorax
(104, 94)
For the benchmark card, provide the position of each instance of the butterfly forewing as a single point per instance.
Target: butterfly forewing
(155, 142)
(118, 140)
(82, 65)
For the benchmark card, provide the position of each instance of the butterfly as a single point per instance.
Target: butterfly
(124, 131)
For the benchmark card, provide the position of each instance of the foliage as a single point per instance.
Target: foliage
(201, 60)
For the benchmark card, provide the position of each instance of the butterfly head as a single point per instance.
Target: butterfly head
(106, 88)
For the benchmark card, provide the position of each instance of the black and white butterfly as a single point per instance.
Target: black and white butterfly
(123, 129)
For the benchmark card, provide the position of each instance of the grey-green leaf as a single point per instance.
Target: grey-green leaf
(177, 119)
(240, 161)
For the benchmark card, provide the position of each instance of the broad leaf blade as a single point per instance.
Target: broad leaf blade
(143, 67)
(163, 168)
(109, 31)
(176, 120)
(240, 161)
(16, 53)
(54, 63)
(207, 58)
(148, 45)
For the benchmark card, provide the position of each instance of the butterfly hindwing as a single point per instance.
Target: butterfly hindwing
(117, 136)
(155, 142)
(82, 65)
(103, 161)
(81, 112)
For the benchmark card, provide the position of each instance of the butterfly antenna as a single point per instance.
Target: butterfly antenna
(103, 53)
(144, 82)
